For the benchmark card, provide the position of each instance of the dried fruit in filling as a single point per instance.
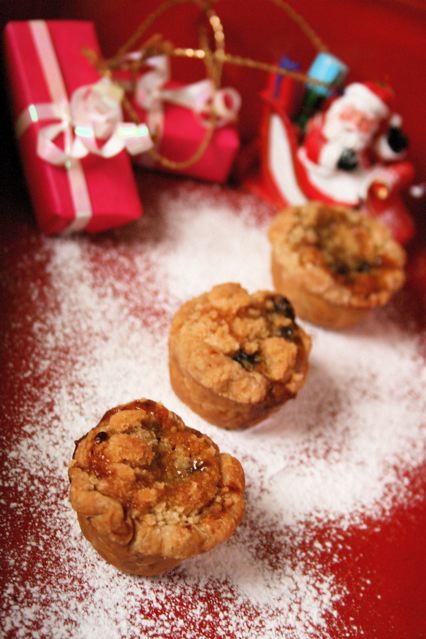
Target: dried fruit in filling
(235, 357)
(150, 492)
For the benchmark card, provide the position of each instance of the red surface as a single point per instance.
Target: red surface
(390, 554)
(384, 40)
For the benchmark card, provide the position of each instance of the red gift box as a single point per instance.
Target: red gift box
(183, 130)
(45, 66)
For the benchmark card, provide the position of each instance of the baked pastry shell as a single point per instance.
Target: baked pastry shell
(216, 408)
(313, 307)
(317, 295)
(136, 544)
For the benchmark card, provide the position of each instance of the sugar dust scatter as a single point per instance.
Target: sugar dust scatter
(97, 336)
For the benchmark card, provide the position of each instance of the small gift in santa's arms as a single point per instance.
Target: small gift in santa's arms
(69, 124)
(194, 125)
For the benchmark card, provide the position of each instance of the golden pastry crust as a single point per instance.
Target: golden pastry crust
(234, 357)
(150, 492)
(334, 263)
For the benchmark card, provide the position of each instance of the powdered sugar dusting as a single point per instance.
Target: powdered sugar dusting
(97, 334)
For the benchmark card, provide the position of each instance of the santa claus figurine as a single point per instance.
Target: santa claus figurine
(351, 154)
(356, 142)
(357, 130)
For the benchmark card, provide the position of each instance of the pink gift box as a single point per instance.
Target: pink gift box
(182, 134)
(93, 193)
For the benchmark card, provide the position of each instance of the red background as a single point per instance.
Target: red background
(383, 40)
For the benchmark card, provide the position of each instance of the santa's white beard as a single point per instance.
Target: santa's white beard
(351, 139)
(347, 135)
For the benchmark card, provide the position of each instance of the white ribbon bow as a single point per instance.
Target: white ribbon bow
(94, 112)
(201, 97)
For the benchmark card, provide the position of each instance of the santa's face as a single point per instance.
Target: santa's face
(351, 124)
(357, 120)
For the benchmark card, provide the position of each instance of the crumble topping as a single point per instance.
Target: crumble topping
(144, 464)
(347, 256)
(243, 347)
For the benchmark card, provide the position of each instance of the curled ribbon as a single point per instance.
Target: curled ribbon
(201, 97)
(94, 112)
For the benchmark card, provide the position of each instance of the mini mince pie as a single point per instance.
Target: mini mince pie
(150, 492)
(235, 357)
(334, 263)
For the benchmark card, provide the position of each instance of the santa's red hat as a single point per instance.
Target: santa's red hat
(372, 96)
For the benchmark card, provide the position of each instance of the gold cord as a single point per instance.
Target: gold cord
(249, 63)
(303, 25)
(213, 69)
(213, 59)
